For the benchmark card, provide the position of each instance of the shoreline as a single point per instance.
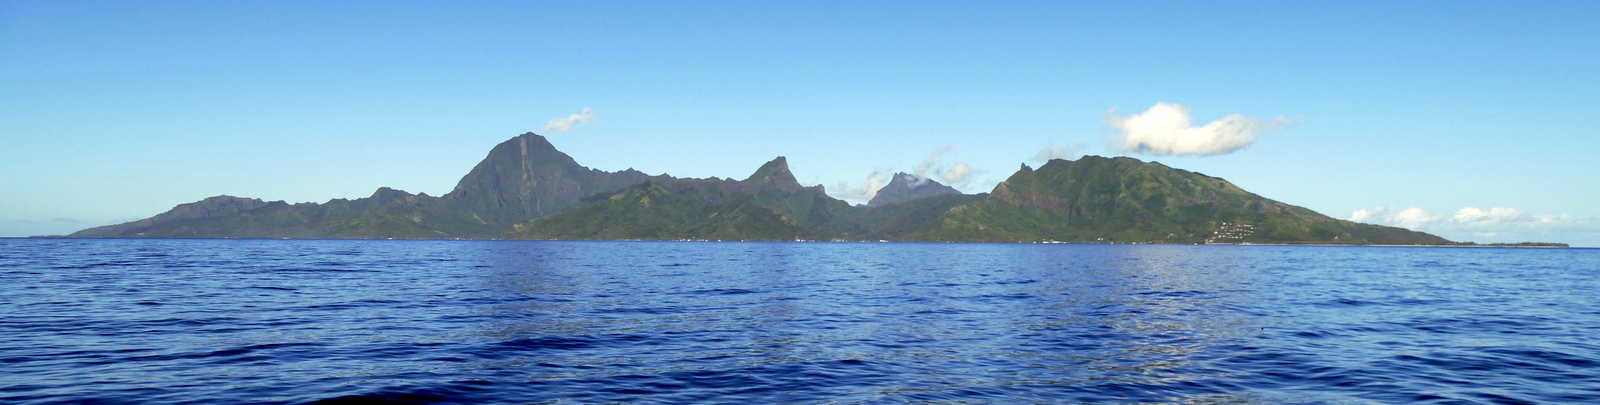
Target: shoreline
(1537, 245)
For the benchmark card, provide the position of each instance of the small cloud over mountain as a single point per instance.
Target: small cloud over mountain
(953, 173)
(865, 190)
(958, 173)
(929, 164)
(1065, 152)
(565, 124)
(1166, 129)
(938, 166)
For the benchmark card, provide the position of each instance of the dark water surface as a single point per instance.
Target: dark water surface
(270, 321)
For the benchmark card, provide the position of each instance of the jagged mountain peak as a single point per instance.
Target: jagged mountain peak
(906, 187)
(774, 171)
(776, 168)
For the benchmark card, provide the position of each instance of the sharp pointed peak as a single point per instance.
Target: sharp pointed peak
(776, 170)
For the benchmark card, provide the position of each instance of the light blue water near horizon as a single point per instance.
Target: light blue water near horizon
(298, 321)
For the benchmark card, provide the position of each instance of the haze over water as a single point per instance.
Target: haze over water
(295, 321)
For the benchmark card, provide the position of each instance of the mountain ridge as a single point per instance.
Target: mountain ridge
(521, 178)
(526, 188)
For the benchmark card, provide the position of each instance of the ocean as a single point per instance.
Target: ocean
(518, 322)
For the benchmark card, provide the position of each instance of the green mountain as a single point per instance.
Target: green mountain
(1124, 200)
(525, 188)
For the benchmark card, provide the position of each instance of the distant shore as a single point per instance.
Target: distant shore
(1545, 245)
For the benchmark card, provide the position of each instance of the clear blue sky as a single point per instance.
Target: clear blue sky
(114, 111)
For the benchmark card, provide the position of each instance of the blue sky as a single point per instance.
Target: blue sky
(1402, 114)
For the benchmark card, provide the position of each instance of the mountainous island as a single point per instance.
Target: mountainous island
(526, 189)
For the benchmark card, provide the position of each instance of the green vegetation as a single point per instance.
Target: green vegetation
(649, 211)
(387, 213)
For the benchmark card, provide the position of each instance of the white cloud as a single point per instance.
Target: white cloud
(1494, 216)
(565, 124)
(1366, 215)
(1065, 152)
(863, 192)
(1502, 224)
(1166, 129)
(954, 173)
(929, 164)
(959, 173)
(1413, 218)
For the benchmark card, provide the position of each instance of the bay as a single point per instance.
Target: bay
(301, 321)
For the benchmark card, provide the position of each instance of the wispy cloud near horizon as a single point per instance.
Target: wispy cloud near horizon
(1497, 223)
(1167, 129)
(565, 124)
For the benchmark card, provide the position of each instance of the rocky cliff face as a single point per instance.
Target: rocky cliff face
(906, 187)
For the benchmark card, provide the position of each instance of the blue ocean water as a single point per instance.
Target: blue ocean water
(512, 322)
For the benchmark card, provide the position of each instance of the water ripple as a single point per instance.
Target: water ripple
(267, 321)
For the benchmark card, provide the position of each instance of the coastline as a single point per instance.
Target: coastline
(1536, 245)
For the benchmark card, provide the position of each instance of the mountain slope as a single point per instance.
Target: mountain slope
(1096, 199)
(221, 205)
(649, 211)
(388, 213)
